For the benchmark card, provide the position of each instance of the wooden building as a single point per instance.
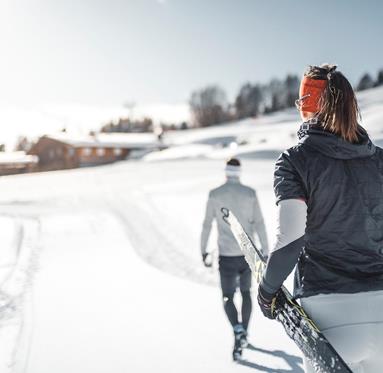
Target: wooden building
(64, 151)
(17, 163)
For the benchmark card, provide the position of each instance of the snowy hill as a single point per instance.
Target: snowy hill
(261, 138)
(120, 286)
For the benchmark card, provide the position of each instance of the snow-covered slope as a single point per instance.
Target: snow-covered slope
(121, 287)
(98, 306)
(259, 138)
(371, 106)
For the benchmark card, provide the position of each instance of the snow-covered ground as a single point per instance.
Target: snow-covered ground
(98, 306)
(120, 286)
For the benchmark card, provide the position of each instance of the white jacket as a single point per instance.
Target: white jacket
(243, 202)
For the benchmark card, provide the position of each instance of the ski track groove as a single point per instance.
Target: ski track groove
(158, 248)
(20, 278)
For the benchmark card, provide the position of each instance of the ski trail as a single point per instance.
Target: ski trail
(95, 295)
(105, 310)
(152, 237)
(16, 296)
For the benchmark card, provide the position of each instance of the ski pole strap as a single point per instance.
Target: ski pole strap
(268, 303)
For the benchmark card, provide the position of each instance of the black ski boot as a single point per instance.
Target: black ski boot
(241, 335)
(243, 340)
(240, 341)
(237, 350)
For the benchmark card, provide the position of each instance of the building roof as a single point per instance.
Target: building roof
(109, 140)
(17, 158)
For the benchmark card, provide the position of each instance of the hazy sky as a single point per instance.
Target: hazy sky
(110, 51)
(106, 52)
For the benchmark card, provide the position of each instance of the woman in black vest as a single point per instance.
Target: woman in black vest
(329, 190)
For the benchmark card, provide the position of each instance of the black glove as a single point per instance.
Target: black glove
(266, 302)
(207, 263)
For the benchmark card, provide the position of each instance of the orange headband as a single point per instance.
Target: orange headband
(312, 89)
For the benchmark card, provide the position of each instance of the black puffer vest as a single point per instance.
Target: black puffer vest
(342, 184)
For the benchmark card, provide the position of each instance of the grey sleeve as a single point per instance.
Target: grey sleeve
(206, 226)
(259, 226)
(290, 241)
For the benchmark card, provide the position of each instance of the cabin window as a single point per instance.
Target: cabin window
(100, 152)
(117, 151)
(87, 151)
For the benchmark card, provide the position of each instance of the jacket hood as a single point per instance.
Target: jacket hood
(331, 145)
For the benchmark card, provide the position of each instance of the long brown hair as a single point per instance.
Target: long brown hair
(339, 112)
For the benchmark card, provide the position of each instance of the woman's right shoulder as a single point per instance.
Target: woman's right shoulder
(297, 154)
(378, 156)
(378, 151)
(290, 175)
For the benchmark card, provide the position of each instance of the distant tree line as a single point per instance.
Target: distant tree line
(209, 106)
(367, 82)
(128, 125)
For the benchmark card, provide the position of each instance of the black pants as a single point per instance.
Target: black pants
(235, 272)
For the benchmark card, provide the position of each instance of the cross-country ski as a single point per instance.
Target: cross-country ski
(298, 326)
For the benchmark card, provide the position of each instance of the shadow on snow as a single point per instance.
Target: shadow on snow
(295, 362)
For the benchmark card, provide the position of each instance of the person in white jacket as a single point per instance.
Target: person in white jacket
(243, 202)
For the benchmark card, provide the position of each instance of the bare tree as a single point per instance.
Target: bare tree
(292, 89)
(379, 80)
(278, 95)
(209, 106)
(248, 101)
(365, 82)
(23, 144)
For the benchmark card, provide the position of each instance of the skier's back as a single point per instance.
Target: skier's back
(243, 201)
